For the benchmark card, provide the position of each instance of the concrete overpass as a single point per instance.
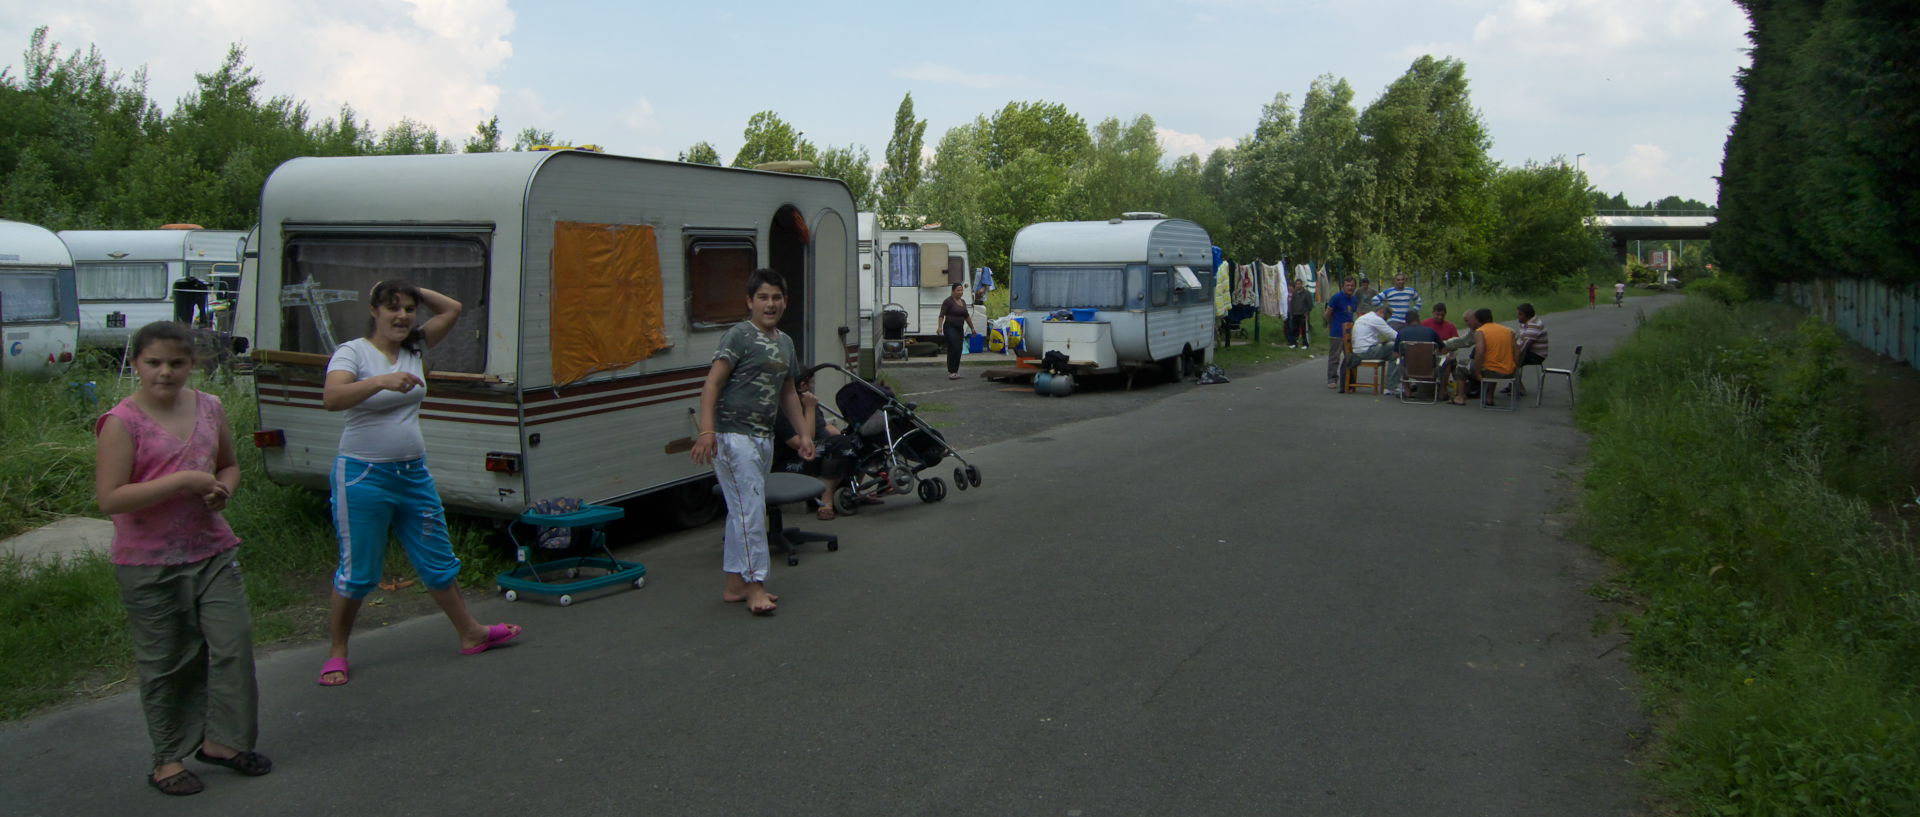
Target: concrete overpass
(1625, 227)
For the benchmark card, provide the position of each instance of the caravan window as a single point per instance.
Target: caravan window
(29, 296)
(717, 270)
(903, 264)
(1078, 287)
(1160, 287)
(344, 268)
(122, 282)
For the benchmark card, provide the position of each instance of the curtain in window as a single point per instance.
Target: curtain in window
(456, 267)
(607, 298)
(28, 297)
(903, 264)
(122, 282)
(1078, 287)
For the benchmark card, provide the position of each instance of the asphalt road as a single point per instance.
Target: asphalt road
(1257, 598)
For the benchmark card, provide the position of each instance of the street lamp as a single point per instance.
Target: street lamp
(1577, 161)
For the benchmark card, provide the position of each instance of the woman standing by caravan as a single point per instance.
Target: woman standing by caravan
(953, 313)
(380, 481)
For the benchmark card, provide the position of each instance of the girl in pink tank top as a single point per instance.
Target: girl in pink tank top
(165, 469)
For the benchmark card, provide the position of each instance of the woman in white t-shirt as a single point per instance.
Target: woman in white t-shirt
(379, 480)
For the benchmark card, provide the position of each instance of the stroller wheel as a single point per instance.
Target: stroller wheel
(845, 501)
(973, 475)
(928, 487)
(939, 489)
(960, 478)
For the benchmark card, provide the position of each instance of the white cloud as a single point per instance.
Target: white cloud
(1644, 167)
(640, 116)
(1177, 144)
(428, 60)
(948, 75)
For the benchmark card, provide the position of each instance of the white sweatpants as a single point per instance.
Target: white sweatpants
(741, 463)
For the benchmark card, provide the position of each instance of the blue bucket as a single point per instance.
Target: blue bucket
(976, 343)
(1084, 314)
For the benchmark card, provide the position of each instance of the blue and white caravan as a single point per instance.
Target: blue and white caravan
(1139, 287)
(39, 317)
(130, 278)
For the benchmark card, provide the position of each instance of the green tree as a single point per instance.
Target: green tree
(1427, 151)
(1544, 236)
(702, 153)
(530, 138)
(1119, 173)
(1333, 176)
(1262, 206)
(485, 138)
(1000, 174)
(901, 176)
(768, 138)
(849, 164)
(407, 137)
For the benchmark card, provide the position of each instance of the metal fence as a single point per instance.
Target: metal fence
(1882, 317)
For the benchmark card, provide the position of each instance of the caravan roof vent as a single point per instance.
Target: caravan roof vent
(1142, 216)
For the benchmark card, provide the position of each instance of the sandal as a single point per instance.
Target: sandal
(497, 634)
(251, 764)
(824, 514)
(178, 784)
(332, 666)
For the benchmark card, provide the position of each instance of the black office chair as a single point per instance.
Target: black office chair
(784, 488)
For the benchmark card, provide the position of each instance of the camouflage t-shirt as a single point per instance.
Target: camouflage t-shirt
(762, 366)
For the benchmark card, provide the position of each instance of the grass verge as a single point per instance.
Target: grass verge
(65, 630)
(1739, 481)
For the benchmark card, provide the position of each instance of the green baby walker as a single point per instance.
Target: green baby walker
(560, 525)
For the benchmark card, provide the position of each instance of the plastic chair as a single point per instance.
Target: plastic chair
(1540, 390)
(785, 488)
(1418, 369)
(1520, 364)
(1490, 390)
(1379, 367)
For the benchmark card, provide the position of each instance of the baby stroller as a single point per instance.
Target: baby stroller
(893, 332)
(892, 448)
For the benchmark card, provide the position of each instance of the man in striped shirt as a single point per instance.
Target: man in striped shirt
(1533, 332)
(1399, 298)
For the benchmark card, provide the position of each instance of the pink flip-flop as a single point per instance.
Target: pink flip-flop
(497, 634)
(333, 665)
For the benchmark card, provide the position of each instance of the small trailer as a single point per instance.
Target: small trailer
(1139, 290)
(913, 269)
(130, 278)
(39, 315)
(595, 289)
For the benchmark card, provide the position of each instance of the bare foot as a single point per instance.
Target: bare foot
(759, 601)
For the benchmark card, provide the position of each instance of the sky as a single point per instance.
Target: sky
(1638, 93)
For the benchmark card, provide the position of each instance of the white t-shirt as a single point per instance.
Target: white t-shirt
(386, 426)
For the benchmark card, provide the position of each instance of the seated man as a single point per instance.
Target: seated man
(1492, 353)
(1372, 340)
(1413, 332)
(1533, 332)
(832, 462)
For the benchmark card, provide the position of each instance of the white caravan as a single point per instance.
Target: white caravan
(127, 278)
(1139, 286)
(39, 320)
(595, 290)
(914, 269)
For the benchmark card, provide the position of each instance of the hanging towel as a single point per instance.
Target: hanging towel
(1270, 290)
(1245, 292)
(1222, 288)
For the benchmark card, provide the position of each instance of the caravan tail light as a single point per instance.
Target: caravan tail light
(501, 462)
(272, 438)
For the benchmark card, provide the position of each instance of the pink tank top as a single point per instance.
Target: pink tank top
(178, 530)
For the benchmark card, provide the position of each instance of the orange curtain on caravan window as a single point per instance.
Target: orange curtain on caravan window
(607, 310)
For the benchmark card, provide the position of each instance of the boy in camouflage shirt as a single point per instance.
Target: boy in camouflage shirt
(752, 377)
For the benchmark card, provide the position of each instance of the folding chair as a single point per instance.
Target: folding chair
(1418, 369)
(1490, 391)
(1540, 391)
(1353, 383)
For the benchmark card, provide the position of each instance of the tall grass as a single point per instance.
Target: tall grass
(63, 623)
(1735, 477)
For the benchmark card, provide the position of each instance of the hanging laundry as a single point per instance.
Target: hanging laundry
(1245, 291)
(1270, 289)
(1222, 288)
